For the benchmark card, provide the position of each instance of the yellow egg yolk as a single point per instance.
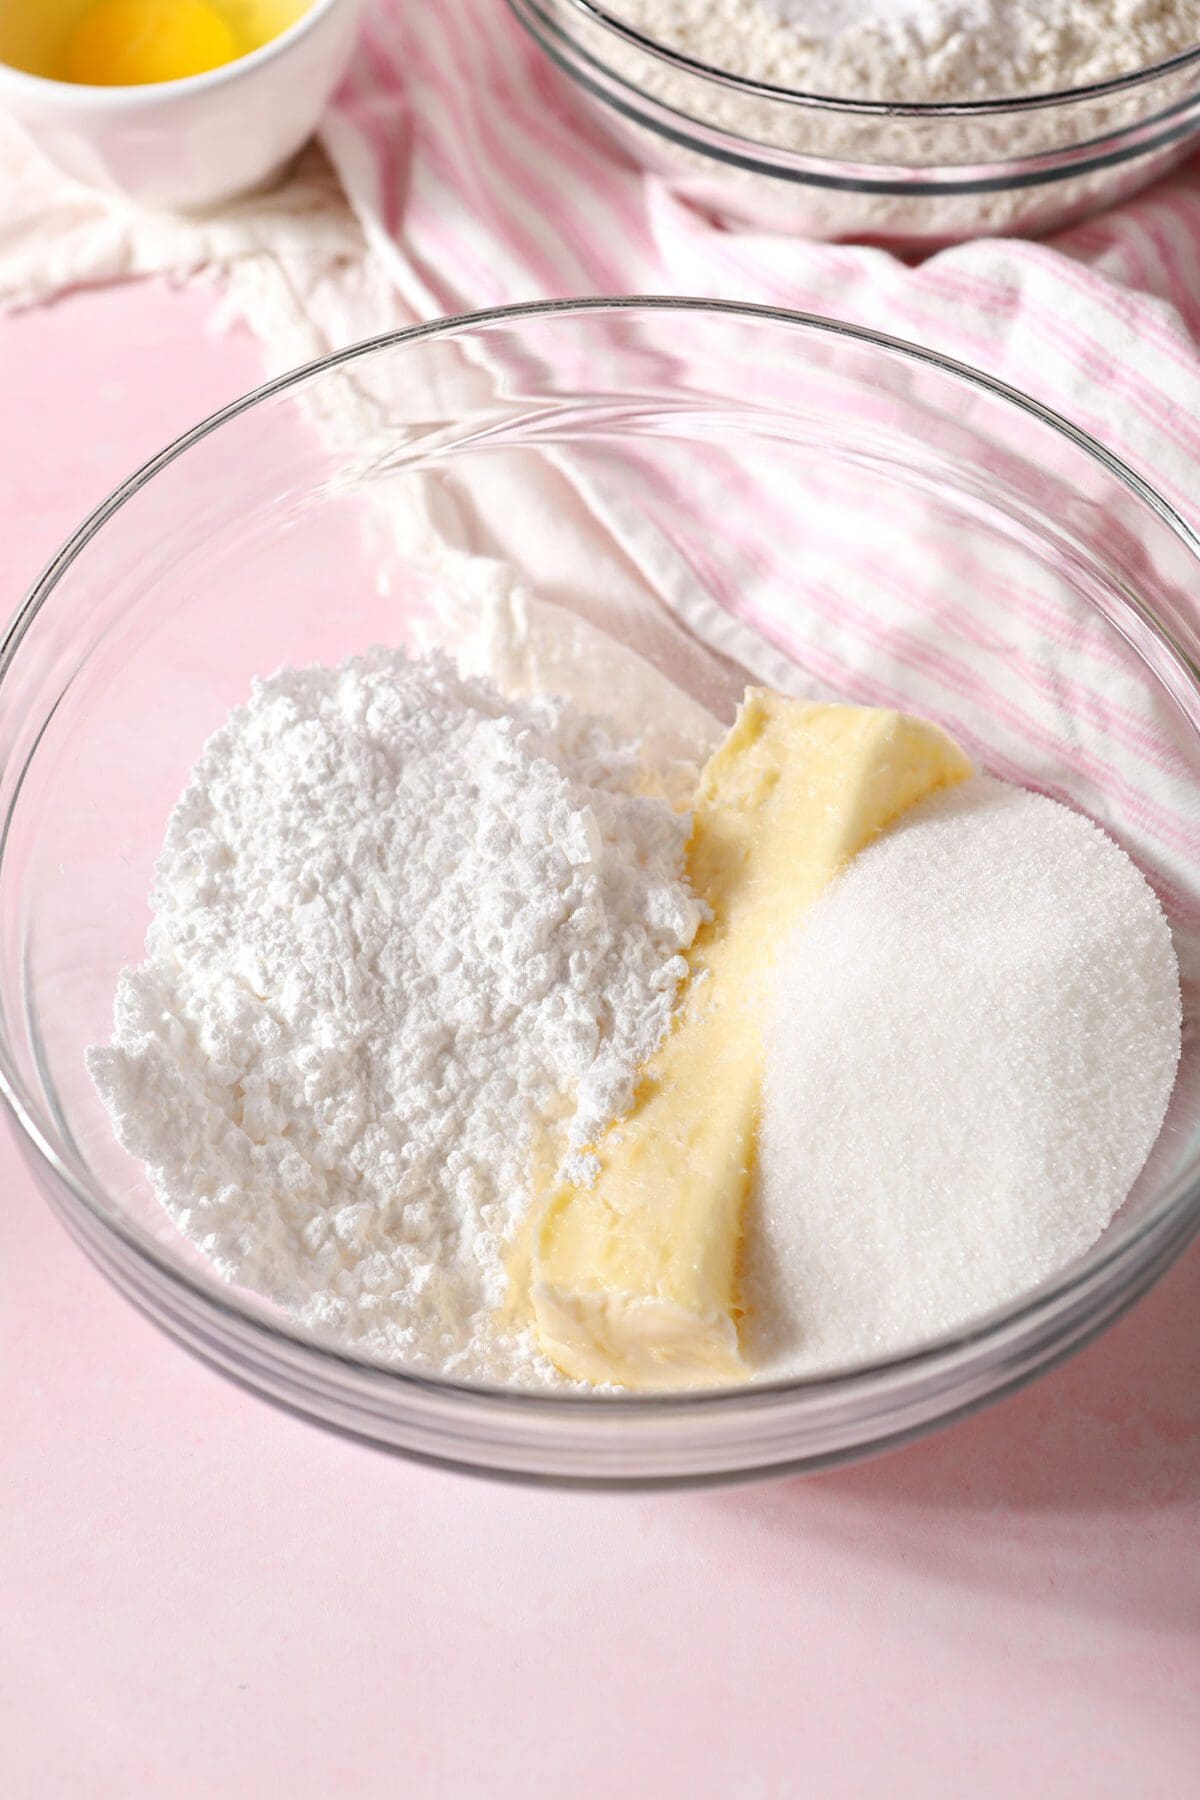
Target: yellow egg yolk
(125, 43)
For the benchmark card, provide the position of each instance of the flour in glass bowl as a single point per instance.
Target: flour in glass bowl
(406, 934)
(919, 50)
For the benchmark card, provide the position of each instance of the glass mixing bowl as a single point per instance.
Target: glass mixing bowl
(692, 495)
(894, 172)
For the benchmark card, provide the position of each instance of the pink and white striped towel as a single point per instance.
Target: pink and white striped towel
(475, 182)
(478, 184)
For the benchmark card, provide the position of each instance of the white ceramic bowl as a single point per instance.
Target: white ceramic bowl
(194, 142)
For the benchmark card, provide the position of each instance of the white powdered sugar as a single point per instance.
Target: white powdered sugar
(920, 50)
(974, 1040)
(406, 936)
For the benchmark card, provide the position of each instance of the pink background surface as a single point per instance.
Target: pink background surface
(202, 1597)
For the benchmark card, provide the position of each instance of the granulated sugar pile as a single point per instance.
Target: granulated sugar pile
(920, 50)
(974, 1039)
(403, 929)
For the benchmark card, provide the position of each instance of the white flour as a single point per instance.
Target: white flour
(974, 1041)
(402, 928)
(920, 50)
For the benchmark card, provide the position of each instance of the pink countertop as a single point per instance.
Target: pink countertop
(202, 1597)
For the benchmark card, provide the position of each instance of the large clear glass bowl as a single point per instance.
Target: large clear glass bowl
(907, 174)
(708, 492)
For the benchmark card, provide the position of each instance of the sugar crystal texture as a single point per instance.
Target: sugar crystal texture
(972, 1046)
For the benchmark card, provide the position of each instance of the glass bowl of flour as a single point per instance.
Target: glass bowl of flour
(636, 508)
(911, 123)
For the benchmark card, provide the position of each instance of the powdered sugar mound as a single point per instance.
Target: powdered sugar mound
(401, 929)
(973, 1043)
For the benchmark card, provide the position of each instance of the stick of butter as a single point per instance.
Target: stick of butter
(634, 1279)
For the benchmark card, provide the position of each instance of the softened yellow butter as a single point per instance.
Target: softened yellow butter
(634, 1278)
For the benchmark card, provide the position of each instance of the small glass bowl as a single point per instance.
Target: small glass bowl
(910, 176)
(723, 494)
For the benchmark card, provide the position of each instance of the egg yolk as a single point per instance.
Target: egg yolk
(123, 43)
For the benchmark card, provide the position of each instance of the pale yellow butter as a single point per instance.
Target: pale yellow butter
(634, 1279)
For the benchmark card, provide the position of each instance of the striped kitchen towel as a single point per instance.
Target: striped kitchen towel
(478, 182)
(474, 181)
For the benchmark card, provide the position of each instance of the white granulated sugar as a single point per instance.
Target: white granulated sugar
(973, 1042)
(920, 50)
(402, 931)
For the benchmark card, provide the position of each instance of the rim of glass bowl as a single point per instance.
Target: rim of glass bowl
(918, 109)
(1145, 1247)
